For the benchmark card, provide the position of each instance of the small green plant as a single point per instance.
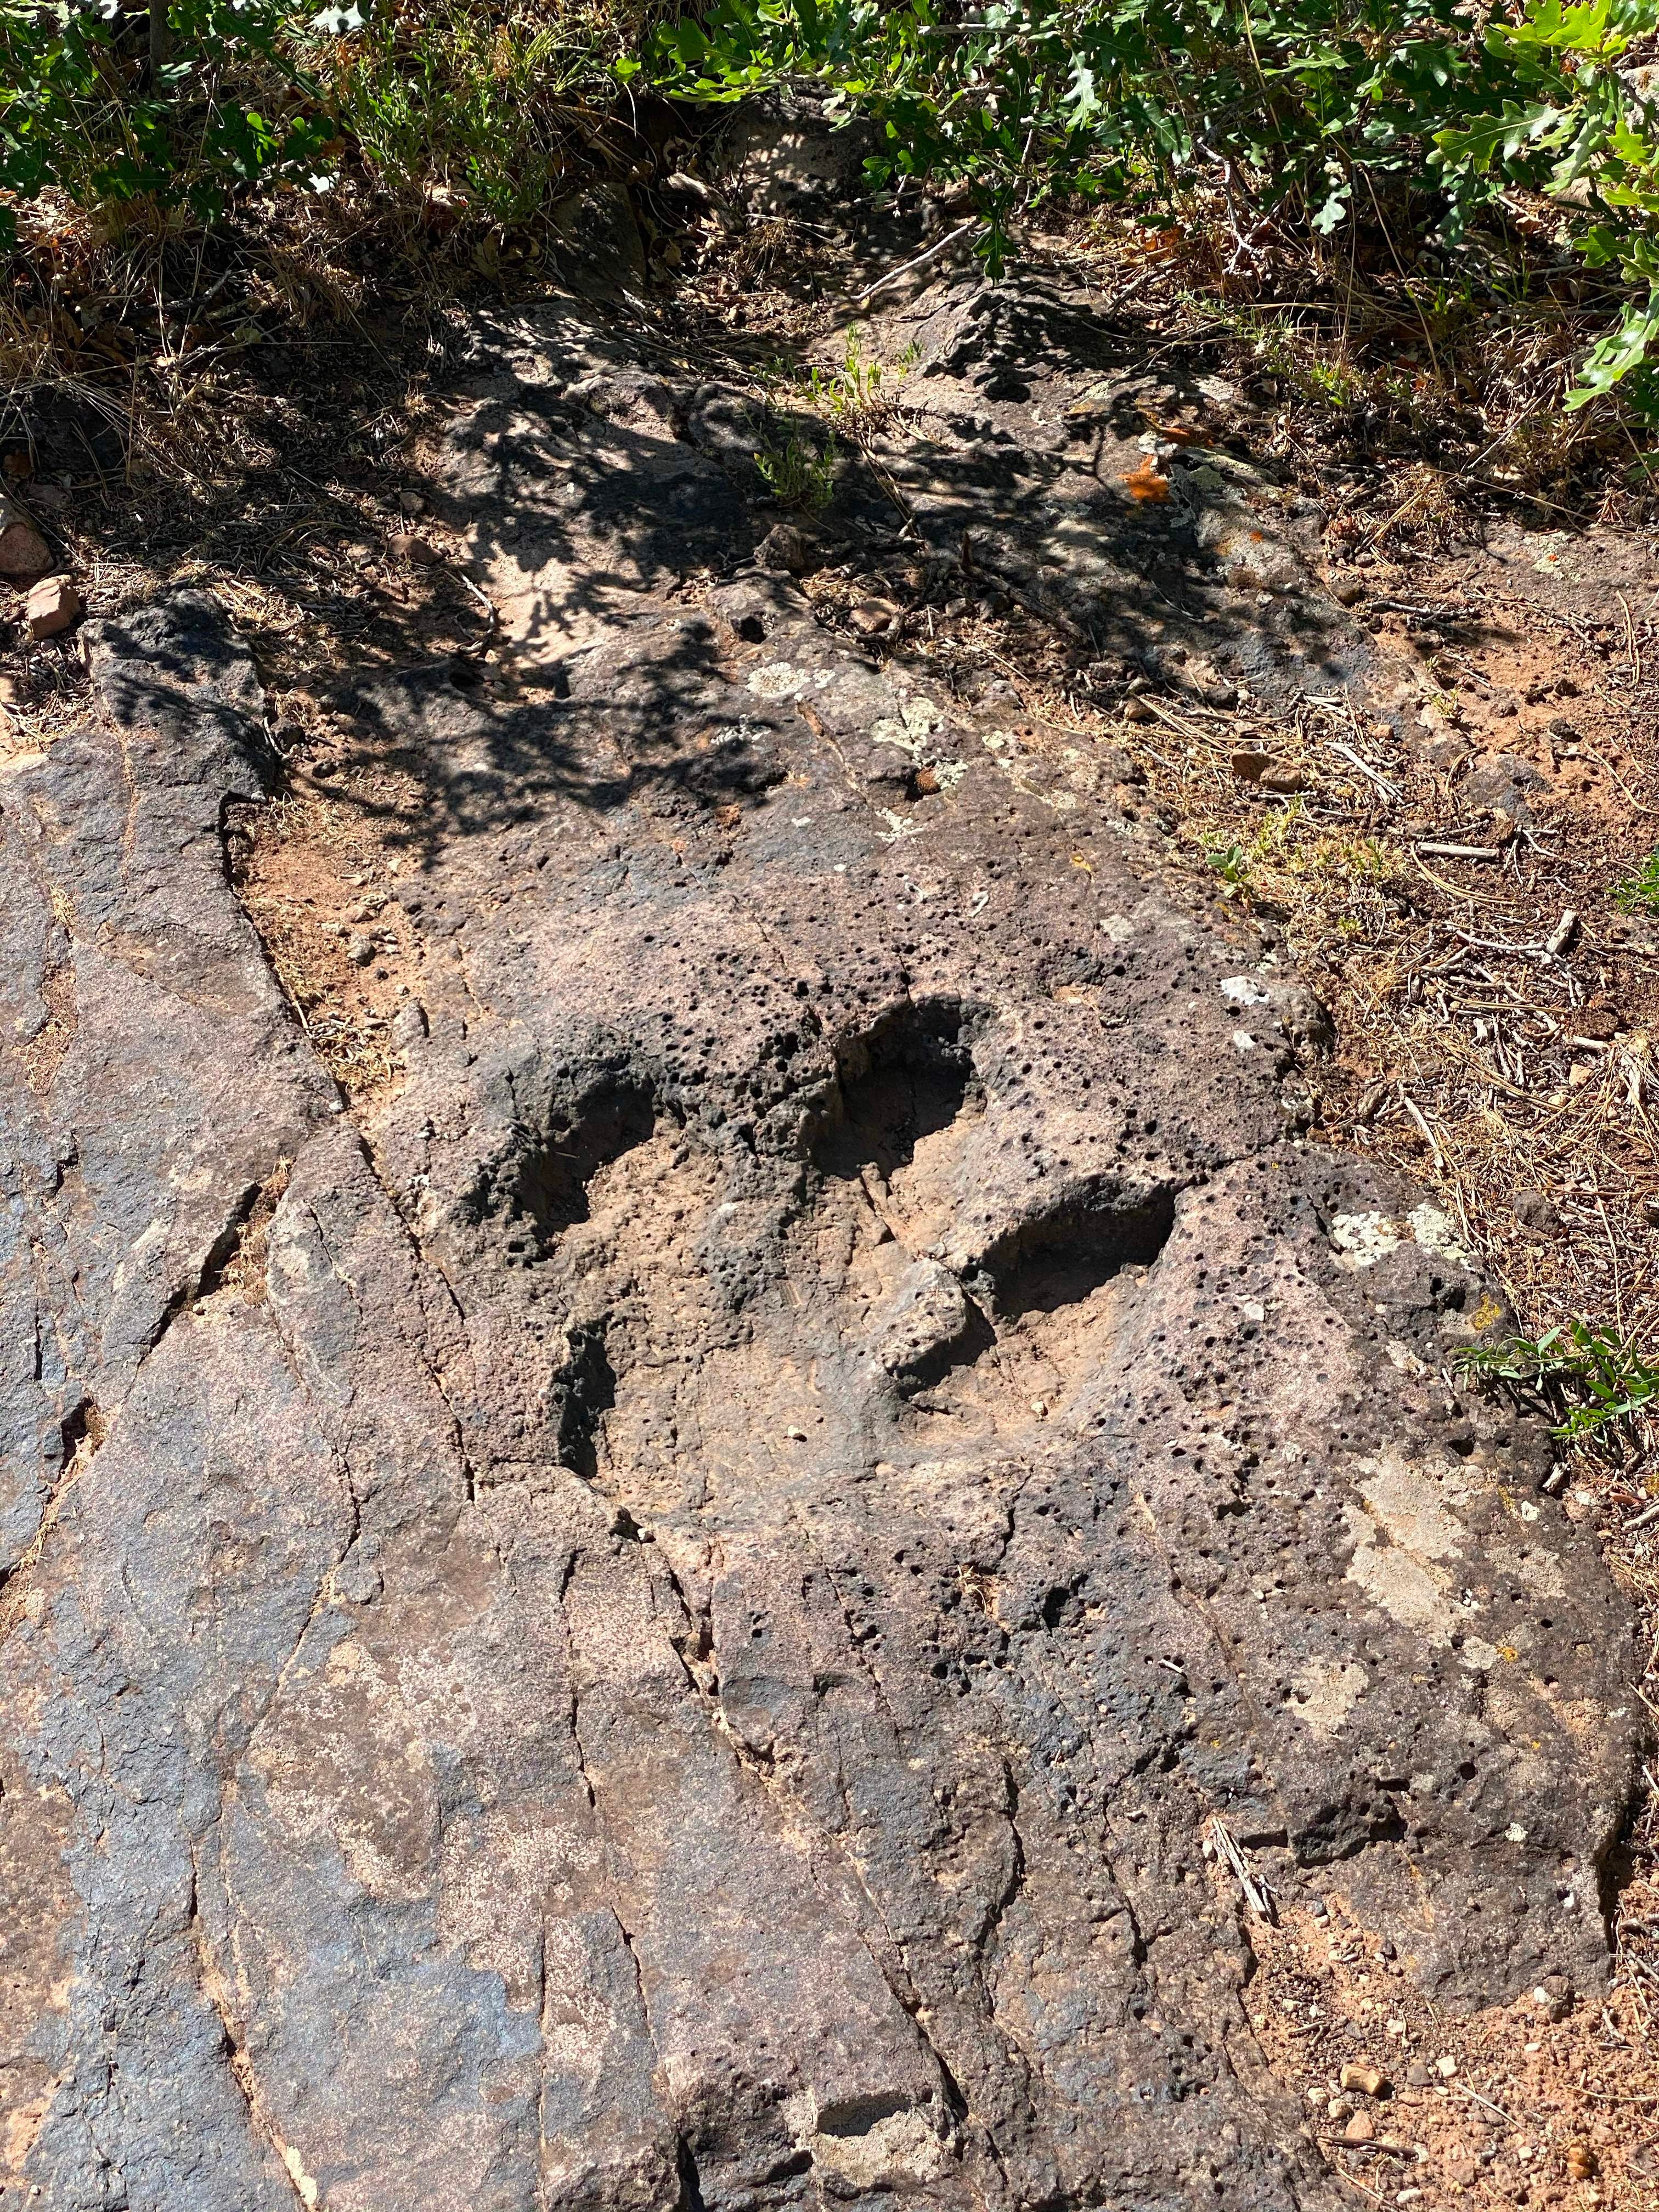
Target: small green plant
(859, 395)
(1233, 864)
(1639, 894)
(1590, 1375)
(797, 476)
(1330, 379)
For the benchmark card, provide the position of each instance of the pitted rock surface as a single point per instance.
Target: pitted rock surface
(677, 1647)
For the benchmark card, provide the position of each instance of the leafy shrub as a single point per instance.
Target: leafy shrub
(1592, 1376)
(1578, 120)
(1299, 103)
(93, 103)
(1326, 113)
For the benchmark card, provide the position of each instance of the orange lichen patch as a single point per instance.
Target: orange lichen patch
(1145, 484)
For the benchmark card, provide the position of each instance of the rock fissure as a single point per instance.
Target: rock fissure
(211, 1982)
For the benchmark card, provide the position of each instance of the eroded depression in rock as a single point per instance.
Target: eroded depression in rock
(909, 1079)
(550, 1181)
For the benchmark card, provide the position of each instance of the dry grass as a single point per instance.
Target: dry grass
(1367, 368)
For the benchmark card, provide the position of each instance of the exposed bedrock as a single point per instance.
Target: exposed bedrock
(668, 1635)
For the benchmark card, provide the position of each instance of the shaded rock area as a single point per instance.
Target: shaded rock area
(661, 1619)
(1032, 465)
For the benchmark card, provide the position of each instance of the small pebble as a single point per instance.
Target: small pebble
(359, 952)
(1368, 2079)
(420, 552)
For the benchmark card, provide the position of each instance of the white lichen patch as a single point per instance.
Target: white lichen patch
(778, 680)
(1243, 991)
(1541, 1572)
(917, 720)
(1433, 1230)
(1363, 1239)
(1401, 1533)
(1325, 1693)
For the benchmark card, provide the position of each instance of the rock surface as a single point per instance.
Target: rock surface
(24, 553)
(52, 606)
(661, 1622)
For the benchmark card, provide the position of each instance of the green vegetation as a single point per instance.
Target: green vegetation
(1233, 864)
(1639, 894)
(182, 107)
(468, 108)
(1408, 135)
(1591, 1375)
(797, 476)
(1385, 120)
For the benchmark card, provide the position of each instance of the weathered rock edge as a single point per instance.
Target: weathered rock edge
(681, 1652)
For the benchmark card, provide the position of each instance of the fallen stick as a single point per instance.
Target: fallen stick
(1429, 1136)
(1390, 791)
(919, 261)
(1218, 1837)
